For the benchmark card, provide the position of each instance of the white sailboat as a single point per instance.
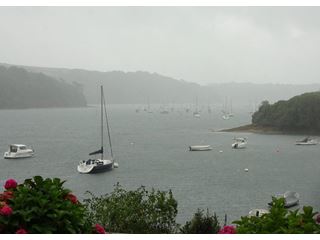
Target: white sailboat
(227, 114)
(196, 113)
(99, 164)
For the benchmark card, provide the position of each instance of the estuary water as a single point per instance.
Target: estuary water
(152, 150)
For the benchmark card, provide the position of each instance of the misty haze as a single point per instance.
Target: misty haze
(175, 119)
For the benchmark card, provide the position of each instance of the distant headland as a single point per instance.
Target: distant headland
(20, 89)
(298, 115)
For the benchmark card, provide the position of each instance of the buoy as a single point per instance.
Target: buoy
(115, 165)
(246, 169)
(220, 151)
(131, 143)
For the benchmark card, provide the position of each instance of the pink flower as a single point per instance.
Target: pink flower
(21, 231)
(99, 229)
(318, 219)
(72, 198)
(10, 183)
(227, 230)
(6, 210)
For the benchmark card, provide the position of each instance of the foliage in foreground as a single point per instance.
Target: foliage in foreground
(201, 224)
(44, 206)
(280, 221)
(41, 206)
(137, 211)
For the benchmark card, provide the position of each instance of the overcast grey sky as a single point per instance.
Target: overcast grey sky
(196, 44)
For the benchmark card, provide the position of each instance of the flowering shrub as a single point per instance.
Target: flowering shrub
(44, 206)
(280, 220)
(41, 206)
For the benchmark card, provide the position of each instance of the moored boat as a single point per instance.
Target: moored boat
(307, 141)
(290, 199)
(100, 164)
(18, 151)
(196, 114)
(95, 165)
(239, 143)
(200, 148)
(258, 212)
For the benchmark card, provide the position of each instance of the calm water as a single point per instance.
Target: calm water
(151, 150)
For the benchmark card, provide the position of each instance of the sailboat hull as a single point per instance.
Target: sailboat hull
(95, 166)
(102, 168)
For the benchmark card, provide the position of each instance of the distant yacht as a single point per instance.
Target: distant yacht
(18, 151)
(227, 114)
(99, 164)
(196, 113)
(148, 109)
(164, 112)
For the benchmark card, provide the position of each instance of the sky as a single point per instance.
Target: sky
(195, 44)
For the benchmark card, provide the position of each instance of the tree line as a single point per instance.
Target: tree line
(22, 89)
(299, 114)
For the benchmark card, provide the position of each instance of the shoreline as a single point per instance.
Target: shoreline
(265, 130)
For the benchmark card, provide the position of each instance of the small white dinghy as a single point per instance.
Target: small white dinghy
(200, 148)
(18, 151)
(306, 141)
(239, 143)
(258, 212)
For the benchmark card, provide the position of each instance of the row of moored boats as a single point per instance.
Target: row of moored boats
(240, 143)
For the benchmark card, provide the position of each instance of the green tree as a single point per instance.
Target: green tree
(201, 224)
(137, 211)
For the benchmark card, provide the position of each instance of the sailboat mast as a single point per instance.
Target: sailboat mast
(101, 122)
(197, 104)
(108, 128)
